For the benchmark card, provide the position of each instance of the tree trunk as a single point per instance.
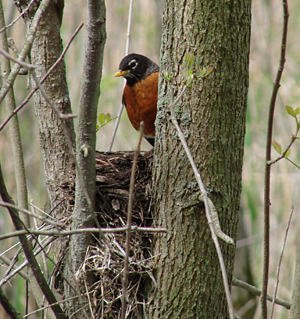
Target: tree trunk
(212, 116)
(46, 49)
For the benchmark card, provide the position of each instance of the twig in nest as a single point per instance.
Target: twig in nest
(129, 215)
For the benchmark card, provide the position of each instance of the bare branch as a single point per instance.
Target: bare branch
(7, 305)
(8, 262)
(43, 79)
(111, 143)
(29, 254)
(280, 260)
(25, 263)
(60, 115)
(17, 149)
(26, 48)
(27, 212)
(129, 215)
(58, 302)
(276, 86)
(18, 17)
(257, 292)
(57, 233)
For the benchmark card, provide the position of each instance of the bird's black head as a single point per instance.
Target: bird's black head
(135, 67)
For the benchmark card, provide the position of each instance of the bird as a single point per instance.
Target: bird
(140, 92)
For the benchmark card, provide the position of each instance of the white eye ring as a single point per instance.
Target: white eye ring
(133, 64)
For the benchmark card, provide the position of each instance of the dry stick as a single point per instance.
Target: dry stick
(7, 261)
(26, 48)
(24, 264)
(43, 79)
(27, 248)
(266, 259)
(279, 262)
(129, 215)
(89, 299)
(8, 306)
(14, 128)
(57, 233)
(58, 302)
(13, 261)
(62, 117)
(124, 82)
(27, 212)
(254, 290)
(18, 17)
(206, 202)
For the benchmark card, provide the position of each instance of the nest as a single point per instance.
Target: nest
(106, 263)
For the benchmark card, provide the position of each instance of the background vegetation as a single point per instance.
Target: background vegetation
(145, 39)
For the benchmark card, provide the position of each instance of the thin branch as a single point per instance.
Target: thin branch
(276, 86)
(27, 212)
(293, 139)
(257, 292)
(8, 262)
(18, 17)
(84, 214)
(111, 143)
(26, 48)
(57, 233)
(8, 306)
(129, 216)
(58, 302)
(280, 260)
(25, 263)
(27, 248)
(43, 79)
(14, 128)
(21, 63)
(205, 200)
(60, 115)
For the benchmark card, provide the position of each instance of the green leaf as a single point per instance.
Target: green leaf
(209, 70)
(185, 73)
(189, 60)
(290, 111)
(202, 72)
(97, 127)
(189, 78)
(101, 118)
(277, 146)
(167, 76)
(108, 118)
(287, 153)
(297, 111)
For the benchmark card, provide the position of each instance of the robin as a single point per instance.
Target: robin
(140, 92)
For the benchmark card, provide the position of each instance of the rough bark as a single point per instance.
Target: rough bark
(46, 49)
(56, 148)
(212, 117)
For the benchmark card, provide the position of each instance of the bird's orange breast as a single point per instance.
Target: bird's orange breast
(141, 103)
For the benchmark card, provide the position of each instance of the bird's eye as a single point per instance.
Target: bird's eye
(133, 64)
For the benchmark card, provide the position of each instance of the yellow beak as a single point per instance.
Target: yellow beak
(121, 73)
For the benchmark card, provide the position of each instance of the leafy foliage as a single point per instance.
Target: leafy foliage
(103, 120)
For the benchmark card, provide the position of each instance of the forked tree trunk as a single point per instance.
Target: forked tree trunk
(46, 49)
(212, 116)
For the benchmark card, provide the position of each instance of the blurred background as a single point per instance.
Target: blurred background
(145, 39)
